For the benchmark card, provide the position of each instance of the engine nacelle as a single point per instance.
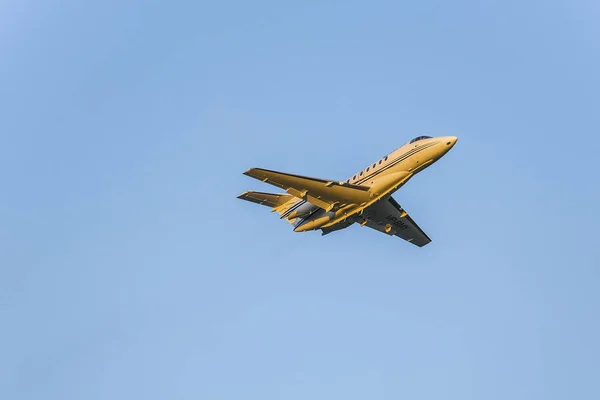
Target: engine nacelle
(301, 211)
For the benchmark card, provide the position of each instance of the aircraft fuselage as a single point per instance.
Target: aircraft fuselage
(383, 177)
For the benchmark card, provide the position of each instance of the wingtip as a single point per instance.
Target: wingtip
(252, 172)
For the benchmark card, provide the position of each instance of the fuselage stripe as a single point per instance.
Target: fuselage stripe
(396, 161)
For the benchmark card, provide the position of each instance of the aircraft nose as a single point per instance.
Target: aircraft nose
(451, 141)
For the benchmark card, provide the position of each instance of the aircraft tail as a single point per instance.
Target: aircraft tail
(279, 202)
(266, 199)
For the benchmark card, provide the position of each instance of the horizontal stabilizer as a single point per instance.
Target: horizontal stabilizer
(266, 199)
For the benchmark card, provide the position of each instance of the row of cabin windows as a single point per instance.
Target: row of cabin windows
(368, 168)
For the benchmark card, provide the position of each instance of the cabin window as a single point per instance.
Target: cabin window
(385, 159)
(380, 162)
(361, 173)
(368, 169)
(374, 165)
(354, 178)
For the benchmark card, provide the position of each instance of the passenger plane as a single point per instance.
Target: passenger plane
(365, 198)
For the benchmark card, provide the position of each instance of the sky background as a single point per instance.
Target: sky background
(128, 268)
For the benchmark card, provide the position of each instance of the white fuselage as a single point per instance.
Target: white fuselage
(383, 177)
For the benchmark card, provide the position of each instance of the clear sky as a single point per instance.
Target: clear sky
(128, 268)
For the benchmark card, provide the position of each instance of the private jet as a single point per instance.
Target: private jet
(365, 198)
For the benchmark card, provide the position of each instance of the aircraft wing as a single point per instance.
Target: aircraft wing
(326, 194)
(389, 217)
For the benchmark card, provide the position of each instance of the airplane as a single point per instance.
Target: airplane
(365, 198)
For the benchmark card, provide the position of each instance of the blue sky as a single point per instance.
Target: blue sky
(128, 269)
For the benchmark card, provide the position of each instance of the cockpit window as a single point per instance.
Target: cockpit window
(420, 138)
